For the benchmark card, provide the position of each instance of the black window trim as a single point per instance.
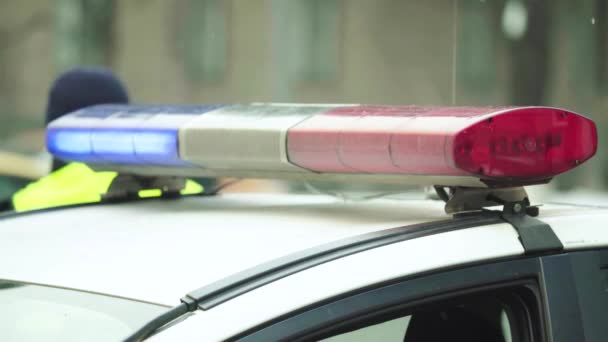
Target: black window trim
(571, 292)
(216, 293)
(225, 289)
(304, 322)
(242, 282)
(535, 333)
(577, 295)
(562, 289)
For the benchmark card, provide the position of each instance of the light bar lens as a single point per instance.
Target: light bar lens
(111, 146)
(500, 145)
(69, 143)
(527, 144)
(380, 139)
(466, 146)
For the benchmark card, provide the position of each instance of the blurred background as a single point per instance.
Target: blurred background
(434, 52)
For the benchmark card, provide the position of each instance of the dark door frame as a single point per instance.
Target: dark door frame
(570, 288)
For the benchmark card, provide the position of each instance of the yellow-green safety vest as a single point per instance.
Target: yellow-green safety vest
(76, 183)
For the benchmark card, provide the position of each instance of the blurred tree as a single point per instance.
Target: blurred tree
(581, 81)
(7, 88)
(11, 38)
(311, 40)
(530, 56)
(84, 32)
(203, 41)
(600, 20)
(478, 51)
(306, 44)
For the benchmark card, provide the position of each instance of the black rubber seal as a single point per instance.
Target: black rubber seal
(223, 290)
(309, 324)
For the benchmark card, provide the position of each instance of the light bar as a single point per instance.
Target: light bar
(115, 146)
(467, 146)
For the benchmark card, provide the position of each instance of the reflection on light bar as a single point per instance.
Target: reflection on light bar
(467, 146)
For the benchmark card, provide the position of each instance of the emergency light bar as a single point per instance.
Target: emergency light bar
(451, 146)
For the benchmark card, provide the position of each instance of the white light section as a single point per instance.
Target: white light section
(243, 137)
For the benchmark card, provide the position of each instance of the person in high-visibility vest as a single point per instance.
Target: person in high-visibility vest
(76, 183)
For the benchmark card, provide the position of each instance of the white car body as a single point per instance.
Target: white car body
(157, 251)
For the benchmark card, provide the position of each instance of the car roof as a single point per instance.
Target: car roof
(577, 227)
(159, 250)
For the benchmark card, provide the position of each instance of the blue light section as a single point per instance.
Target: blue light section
(157, 147)
(70, 144)
(72, 141)
(117, 142)
(155, 143)
(115, 146)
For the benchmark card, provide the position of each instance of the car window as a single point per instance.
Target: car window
(473, 319)
(395, 330)
(392, 330)
(41, 313)
(493, 302)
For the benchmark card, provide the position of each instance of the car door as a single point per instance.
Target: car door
(554, 298)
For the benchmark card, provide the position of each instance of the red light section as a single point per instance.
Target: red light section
(487, 142)
(525, 143)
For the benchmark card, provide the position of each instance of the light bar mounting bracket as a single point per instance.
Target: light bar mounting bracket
(126, 186)
(463, 199)
(536, 236)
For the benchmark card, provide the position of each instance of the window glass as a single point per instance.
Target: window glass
(388, 331)
(471, 320)
(41, 313)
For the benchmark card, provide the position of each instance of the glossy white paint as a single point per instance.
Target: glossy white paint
(577, 227)
(160, 250)
(346, 274)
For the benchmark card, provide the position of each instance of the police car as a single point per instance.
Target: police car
(481, 262)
